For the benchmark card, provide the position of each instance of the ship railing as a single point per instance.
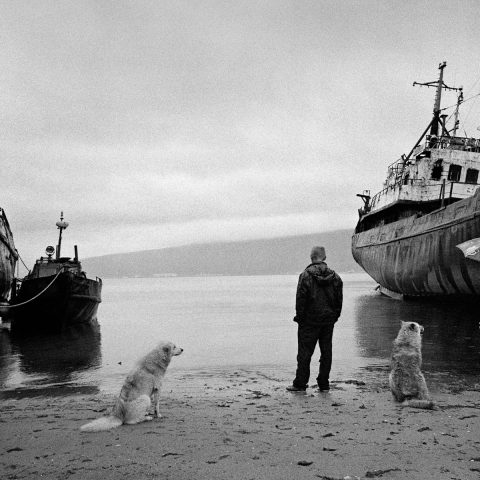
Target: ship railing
(389, 188)
(436, 190)
(63, 261)
(456, 190)
(396, 164)
(468, 144)
(53, 269)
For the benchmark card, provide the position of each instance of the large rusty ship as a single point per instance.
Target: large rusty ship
(420, 235)
(8, 259)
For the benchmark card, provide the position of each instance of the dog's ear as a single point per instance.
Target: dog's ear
(412, 326)
(167, 348)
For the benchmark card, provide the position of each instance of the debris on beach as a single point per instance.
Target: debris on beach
(379, 473)
(256, 394)
(352, 381)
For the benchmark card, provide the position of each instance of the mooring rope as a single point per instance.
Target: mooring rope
(22, 260)
(36, 296)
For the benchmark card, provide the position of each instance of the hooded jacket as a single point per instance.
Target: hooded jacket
(319, 295)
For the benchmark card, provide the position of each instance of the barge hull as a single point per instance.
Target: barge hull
(70, 300)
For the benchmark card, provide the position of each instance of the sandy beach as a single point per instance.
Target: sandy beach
(242, 424)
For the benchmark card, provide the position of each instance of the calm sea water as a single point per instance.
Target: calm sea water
(227, 323)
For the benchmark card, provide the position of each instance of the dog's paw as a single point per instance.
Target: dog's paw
(158, 415)
(148, 418)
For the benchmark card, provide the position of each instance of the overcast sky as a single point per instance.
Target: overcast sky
(161, 123)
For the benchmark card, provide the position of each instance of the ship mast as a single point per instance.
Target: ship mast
(437, 119)
(438, 101)
(439, 84)
(61, 225)
(459, 101)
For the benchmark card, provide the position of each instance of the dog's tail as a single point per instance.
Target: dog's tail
(101, 424)
(415, 403)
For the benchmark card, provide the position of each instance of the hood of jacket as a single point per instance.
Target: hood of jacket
(321, 273)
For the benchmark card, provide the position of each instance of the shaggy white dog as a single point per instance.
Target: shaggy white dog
(141, 386)
(407, 382)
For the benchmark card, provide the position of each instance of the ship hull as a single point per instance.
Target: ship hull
(70, 300)
(420, 256)
(8, 258)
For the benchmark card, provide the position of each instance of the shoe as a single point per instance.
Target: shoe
(324, 388)
(293, 388)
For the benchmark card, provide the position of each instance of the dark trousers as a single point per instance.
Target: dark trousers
(308, 336)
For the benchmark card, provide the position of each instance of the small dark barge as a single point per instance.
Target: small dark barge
(56, 293)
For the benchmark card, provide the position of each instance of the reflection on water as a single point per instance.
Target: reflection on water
(7, 359)
(451, 340)
(49, 364)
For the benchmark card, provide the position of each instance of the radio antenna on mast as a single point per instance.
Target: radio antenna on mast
(455, 115)
(439, 84)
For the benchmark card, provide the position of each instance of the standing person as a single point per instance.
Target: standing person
(318, 306)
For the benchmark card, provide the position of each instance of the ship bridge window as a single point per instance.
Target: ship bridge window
(472, 175)
(454, 173)
(437, 170)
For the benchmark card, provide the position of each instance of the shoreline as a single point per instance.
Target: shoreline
(244, 425)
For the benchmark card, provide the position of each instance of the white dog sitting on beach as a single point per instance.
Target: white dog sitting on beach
(406, 379)
(141, 386)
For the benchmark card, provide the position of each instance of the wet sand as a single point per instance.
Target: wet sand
(242, 424)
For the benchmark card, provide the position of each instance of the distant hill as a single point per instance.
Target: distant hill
(285, 255)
